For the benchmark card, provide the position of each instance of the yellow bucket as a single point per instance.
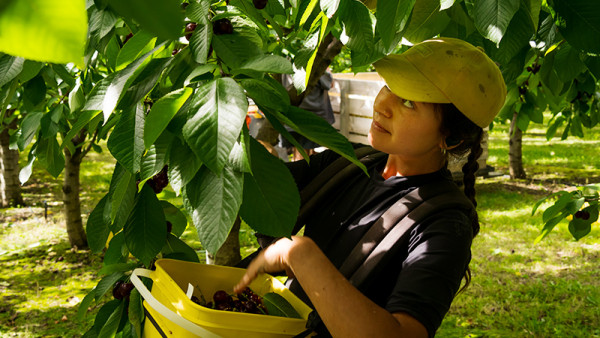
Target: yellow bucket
(173, 314)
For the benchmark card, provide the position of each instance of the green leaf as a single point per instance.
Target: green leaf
(108, 269)
(579, 22)
(121, 198)
(593, 64)
(237, 158)
(104, 313)
(146, 228)
(45, 30)
(392, 17)
(549, 226)
(271, 200)
(200, 41)
(106, 284)
(29, 128)
(96, 228)
(517, 36)
(126, 142)
(144, 82)
(359, 29)
(50, 156)
(136, 311)
(318, 130)
(576, 126)
(198, 11)
(493, 16)
(523, 117)
(329, 7)
(175, 248)
(267, 93)
(557, 207)
(50, 121)
(268, 64)
(542, 200)
(218, 111)
(25, 172)
(117, 251)
(174, 215)
(10, 67)
(213, 202)
(162, 112)
(102, 22)
(234, 49)
(162, 18)
(82, 120)
(156, 157)
(35, 90)
(277, 305)
(85, 304)
(106, 93)
(183, 165)
(139, 44)
(567, 63)
(579, 227)
(284, 133)
(112, 324)
(76, 97)
(30, 70)
(200, 73)
(426, 21)
(549, 76)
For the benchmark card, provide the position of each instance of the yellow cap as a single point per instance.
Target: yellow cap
(447, 70)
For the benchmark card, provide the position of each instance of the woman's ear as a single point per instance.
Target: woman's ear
(451, 142)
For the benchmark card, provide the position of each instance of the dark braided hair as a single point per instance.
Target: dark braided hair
(466, 136)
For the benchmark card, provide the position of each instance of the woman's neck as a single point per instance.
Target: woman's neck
(398, 166)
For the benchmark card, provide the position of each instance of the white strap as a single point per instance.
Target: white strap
(163, 310)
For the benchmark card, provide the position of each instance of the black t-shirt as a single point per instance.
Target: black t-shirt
(424, 276)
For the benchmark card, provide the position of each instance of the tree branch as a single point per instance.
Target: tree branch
(328, 49)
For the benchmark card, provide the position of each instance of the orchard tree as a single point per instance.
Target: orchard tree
(173, 80)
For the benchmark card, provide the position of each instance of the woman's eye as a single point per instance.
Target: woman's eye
(407, 103)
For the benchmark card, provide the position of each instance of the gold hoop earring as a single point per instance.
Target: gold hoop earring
(443, 151)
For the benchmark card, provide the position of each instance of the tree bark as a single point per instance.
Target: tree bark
(515, 152)
(10, 187)
(229, 253)
(71, 201)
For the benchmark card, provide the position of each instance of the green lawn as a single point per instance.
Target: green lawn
(550, 289)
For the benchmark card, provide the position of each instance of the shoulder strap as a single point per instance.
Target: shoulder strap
(394, 225)
(333, 176)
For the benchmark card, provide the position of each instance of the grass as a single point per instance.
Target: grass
(519, 289)
(522, 289)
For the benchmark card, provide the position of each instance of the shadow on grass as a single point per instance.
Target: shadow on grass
(41, 289)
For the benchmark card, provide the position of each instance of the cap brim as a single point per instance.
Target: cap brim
(408, 82)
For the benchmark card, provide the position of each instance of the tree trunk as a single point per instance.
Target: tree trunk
(72, 204)
(10, 187)
(229, 253)
(515, 152)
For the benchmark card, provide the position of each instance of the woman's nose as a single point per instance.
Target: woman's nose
(385, 113)
(380, 109)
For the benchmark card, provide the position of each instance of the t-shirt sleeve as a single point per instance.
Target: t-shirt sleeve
(438, 255)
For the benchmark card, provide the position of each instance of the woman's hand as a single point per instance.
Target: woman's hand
(274, 258)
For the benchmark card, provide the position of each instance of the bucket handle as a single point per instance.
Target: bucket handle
(163, 310)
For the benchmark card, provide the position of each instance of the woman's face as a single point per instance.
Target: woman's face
(405, 128)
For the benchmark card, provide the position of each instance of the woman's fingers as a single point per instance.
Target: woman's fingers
(251, 273)
(271, 259)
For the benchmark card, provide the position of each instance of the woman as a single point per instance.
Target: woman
(439, 95)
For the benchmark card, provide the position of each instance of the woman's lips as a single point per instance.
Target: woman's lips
(379, 127)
